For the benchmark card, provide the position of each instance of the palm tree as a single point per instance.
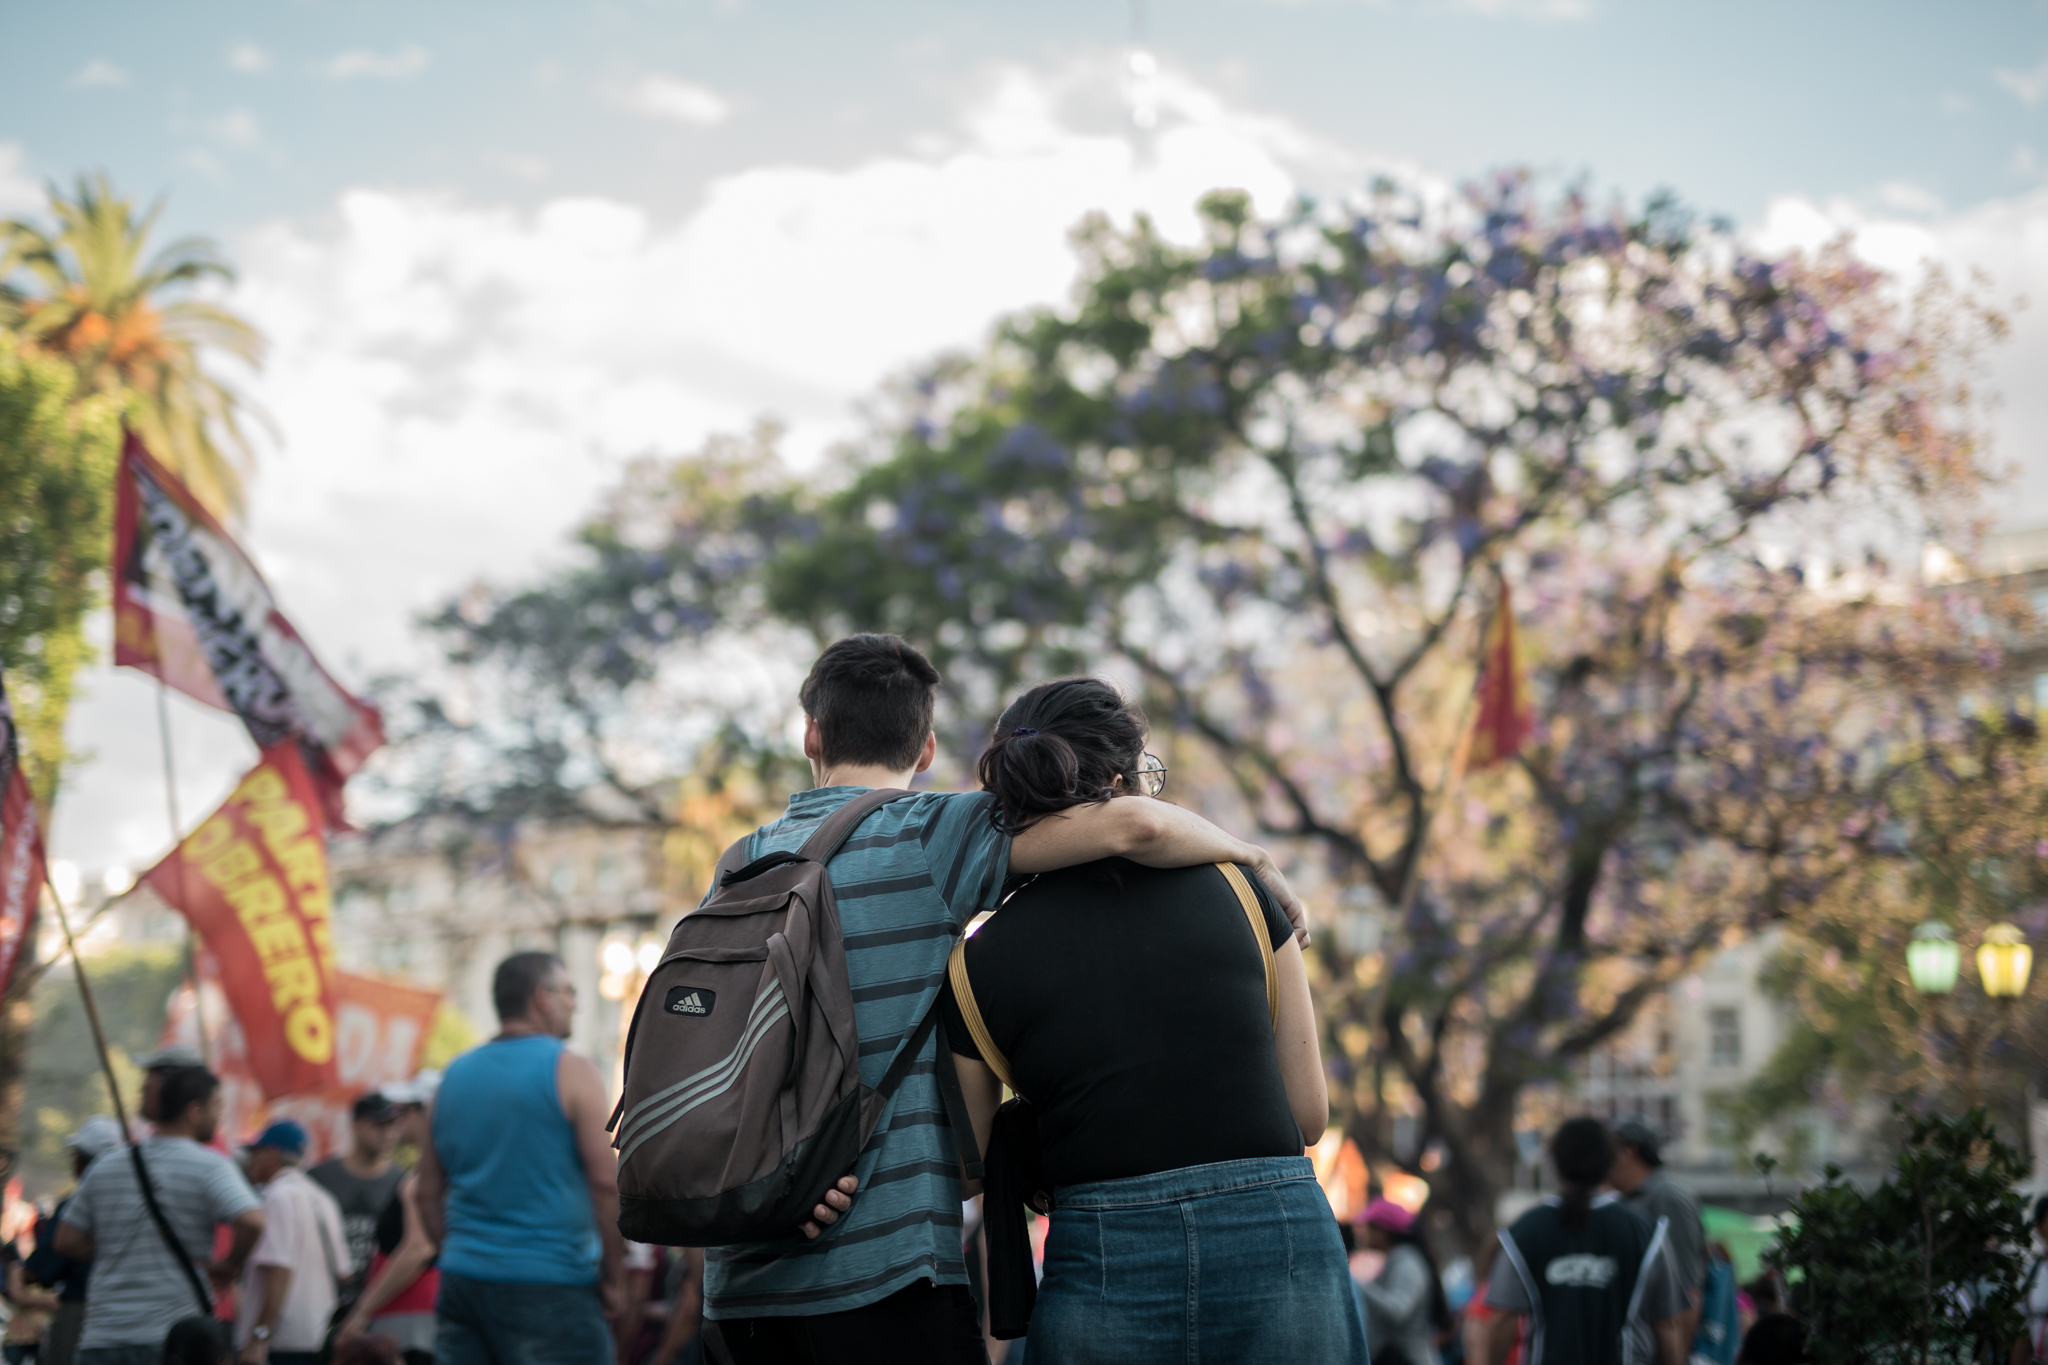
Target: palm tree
(91, 301)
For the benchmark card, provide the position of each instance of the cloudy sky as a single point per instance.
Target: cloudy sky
(500, 248)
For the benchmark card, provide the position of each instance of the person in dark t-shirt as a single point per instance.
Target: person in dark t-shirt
(1596, 1280)
(1158, 1023)
(363, 1181)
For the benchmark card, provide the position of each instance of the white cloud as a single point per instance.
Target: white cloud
(1907, 197)
(235, 128)
(406, 62)
(2007, 240)
(457, 382)
(19, 194)
(99, 74)
(672, 97)
(248, 58)
(2029, 87)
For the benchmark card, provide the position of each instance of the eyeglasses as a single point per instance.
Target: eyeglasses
(1152, 774)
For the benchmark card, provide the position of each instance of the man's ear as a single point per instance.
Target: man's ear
(814, 743)
(930, 752)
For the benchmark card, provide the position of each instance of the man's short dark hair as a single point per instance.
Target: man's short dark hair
(1642, 1139)
(181, 1088)
(872, 696)
(517, 978)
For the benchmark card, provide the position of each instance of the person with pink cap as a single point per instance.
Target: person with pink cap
(1405, 1308)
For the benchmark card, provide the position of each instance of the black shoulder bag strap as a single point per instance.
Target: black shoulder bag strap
(163, 1227)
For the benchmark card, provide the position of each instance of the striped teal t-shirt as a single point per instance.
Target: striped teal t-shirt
(907, 883)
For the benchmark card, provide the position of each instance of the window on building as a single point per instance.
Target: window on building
(1724, 1036)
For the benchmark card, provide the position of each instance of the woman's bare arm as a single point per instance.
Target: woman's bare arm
(1296, 1046)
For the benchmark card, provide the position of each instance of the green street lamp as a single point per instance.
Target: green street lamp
(1933, 960)
(2004, 961)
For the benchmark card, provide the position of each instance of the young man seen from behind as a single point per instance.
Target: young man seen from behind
(140, 1285)
(887, 1282)
(519, 1188)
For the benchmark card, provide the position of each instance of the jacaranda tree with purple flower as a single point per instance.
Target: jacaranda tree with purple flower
(1277, 478)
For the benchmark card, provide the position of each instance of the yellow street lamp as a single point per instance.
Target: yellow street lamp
(2004, 961)
(1933, 959)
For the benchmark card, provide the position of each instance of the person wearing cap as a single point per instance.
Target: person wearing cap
(363, 1180)
(142, 1280)
(1641, 1180)
(95, 1137)
(288, 1292)
(1405, 1307)
(403, 1283)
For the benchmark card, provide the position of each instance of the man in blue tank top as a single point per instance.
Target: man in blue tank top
(519, 1187)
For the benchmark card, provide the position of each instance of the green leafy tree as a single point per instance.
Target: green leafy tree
(1927, 1267)
(129, 324)
(1958, 843)
(57, 460)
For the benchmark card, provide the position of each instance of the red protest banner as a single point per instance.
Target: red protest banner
(253, 881)
(380, 1031)
(21, 849)
(190, 608)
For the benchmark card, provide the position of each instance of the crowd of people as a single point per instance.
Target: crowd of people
(1142, 999)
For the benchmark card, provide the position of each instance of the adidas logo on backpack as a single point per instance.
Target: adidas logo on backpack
(734, 1122)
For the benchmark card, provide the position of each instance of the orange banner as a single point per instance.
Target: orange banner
(253, 881)
(380, 1031)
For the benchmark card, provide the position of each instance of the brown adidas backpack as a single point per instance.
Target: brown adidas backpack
(743, 1099)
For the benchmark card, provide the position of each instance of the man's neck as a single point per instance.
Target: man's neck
(364, 1166)
(860, 775)
(520, 1028)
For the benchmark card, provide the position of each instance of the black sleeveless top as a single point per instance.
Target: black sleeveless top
(1131, 1005)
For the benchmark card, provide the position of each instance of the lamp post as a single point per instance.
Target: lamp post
(1933, 959)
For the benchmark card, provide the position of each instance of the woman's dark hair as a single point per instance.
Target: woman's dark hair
(1583, 1151)
(2040, 1209)
(1440, 1315)
(1059, 745)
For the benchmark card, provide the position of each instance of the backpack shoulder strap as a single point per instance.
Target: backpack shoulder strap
(839, 826)
(1250, 901)
(963, 996)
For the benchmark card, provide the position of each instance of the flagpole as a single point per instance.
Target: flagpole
(92, 1009)
(163, 725)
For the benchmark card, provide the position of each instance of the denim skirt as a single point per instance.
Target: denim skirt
(1236, 1262)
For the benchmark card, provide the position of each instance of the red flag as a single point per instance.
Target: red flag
(380, 1030)
(253, 881)
(191, 608)
(21, 849)
(1504, 718)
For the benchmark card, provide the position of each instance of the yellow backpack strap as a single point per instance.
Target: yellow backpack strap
(963, 995)
(1250, 901)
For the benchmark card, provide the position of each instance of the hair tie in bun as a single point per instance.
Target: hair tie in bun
(1021, 731)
